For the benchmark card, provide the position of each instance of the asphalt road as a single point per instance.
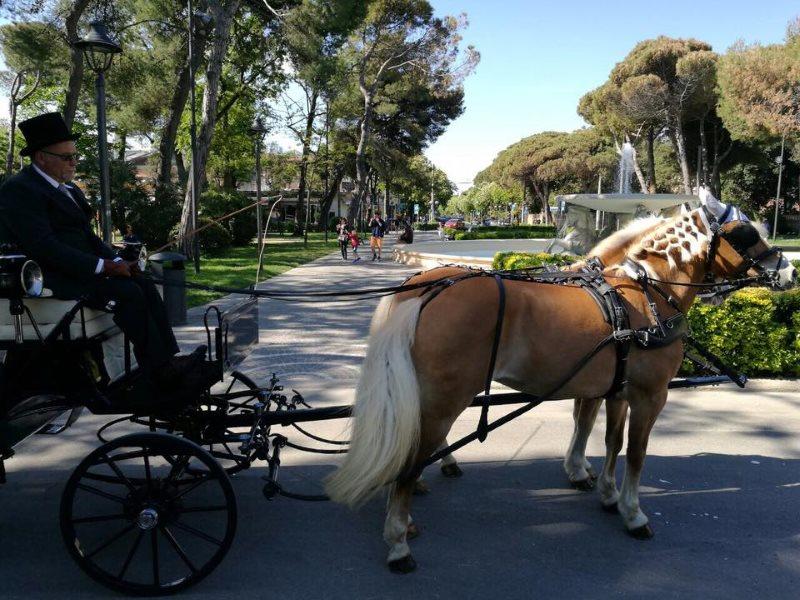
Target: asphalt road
(721, 486)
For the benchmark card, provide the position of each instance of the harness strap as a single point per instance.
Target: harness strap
(483, 423)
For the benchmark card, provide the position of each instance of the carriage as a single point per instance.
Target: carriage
(152, 510)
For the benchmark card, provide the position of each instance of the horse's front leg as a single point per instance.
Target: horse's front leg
(579, 470)
(616, 410)
(644, 412)
(396, 527)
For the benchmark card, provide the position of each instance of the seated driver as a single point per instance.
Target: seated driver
(49, 219)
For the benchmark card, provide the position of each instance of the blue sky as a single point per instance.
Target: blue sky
(539, 57)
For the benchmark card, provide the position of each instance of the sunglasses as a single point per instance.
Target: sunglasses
(73, 156)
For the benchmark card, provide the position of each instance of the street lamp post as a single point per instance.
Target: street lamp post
(99, 49)
(258, 130)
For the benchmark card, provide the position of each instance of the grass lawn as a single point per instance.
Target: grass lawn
(236, 267)
(788, 243)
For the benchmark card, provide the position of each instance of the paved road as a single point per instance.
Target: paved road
(722, 487)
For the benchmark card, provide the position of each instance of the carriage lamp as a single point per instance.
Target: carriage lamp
(19, 276)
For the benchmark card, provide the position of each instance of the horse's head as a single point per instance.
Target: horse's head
(737, 249)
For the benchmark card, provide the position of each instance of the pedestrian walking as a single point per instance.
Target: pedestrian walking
(343, 235)
(354, 243)
(377, 229)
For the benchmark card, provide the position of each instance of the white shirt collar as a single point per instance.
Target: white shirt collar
(47, 177)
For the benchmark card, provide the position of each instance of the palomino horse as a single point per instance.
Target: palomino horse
(578, 468)
(419, 375)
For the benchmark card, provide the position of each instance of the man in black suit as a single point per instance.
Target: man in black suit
(50, 219)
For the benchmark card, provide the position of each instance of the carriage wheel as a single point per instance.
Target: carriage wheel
(148, 514)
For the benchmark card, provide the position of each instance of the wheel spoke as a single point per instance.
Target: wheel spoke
(147, 474)
(129, 558)
(197, 532)
(196, 509)
(178, 467)
(200, 481)
(119, 473)
(174, 543)
(154, 546)
(101, 493)
(99, 519)
(110, 541)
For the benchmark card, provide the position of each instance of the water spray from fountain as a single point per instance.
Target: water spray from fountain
(625, 169)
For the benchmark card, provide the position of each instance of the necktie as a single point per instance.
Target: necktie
(65, 190)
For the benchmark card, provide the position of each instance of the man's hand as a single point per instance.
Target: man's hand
(134, 267)
(116, 269)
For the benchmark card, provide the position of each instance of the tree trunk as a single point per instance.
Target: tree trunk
(703, 150)
(222, 14)
(73, 90)
(330, 193)
(651, 162)
(166, 146)
(180, 166)
(637, 168)
(300, 213)
(361, 157)
(12, 111)
(679, 143)
(719, 157)
(123, 142)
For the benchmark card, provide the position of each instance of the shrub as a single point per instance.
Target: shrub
(241, 226)
(426, 226)
(507, 233)
(215, 238)
(505, 261)
(754, 330)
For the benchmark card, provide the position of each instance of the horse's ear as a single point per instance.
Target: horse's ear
(685, 210)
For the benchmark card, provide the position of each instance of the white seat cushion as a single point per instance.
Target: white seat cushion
(48, 312)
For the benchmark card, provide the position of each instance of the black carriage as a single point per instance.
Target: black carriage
(151, 511)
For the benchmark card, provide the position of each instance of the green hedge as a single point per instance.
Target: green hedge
(525, 260)
(426, 226)
(507, 233)
(754, 330)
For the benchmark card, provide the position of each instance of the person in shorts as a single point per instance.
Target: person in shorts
(378, 229)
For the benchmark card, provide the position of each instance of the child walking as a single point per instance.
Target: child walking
(354, 242)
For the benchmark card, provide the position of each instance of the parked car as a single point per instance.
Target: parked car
(455, 224)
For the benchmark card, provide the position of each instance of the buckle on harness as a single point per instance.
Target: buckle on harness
(643, 337)
(622, 335)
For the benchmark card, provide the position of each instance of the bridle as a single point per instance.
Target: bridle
(765, 275)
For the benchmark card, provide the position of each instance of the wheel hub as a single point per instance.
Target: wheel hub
(147, 519)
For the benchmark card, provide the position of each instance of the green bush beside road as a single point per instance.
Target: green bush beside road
(755, 330)
(507, 233)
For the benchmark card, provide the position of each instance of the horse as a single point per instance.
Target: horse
(579, 470)
(609, 251)
(418, 375)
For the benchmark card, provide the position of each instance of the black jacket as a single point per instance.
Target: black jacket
(52, 230)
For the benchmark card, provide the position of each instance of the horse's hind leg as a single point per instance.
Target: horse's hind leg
(616, 410)
(644, 412)
(449, 466)
(579, 470)
(395, 530)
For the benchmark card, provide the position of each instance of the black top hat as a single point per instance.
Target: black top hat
(44, 130)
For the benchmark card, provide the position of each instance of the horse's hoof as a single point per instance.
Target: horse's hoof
(611, 508)
(584, 485)
(645, 532)
(412, 531)
(452, 471)
(421, 488)
(403, 565)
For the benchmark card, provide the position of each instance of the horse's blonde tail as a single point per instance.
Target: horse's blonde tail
(386, 414)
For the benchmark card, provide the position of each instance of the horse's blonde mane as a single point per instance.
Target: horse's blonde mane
(677, 240)
(625, 236)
